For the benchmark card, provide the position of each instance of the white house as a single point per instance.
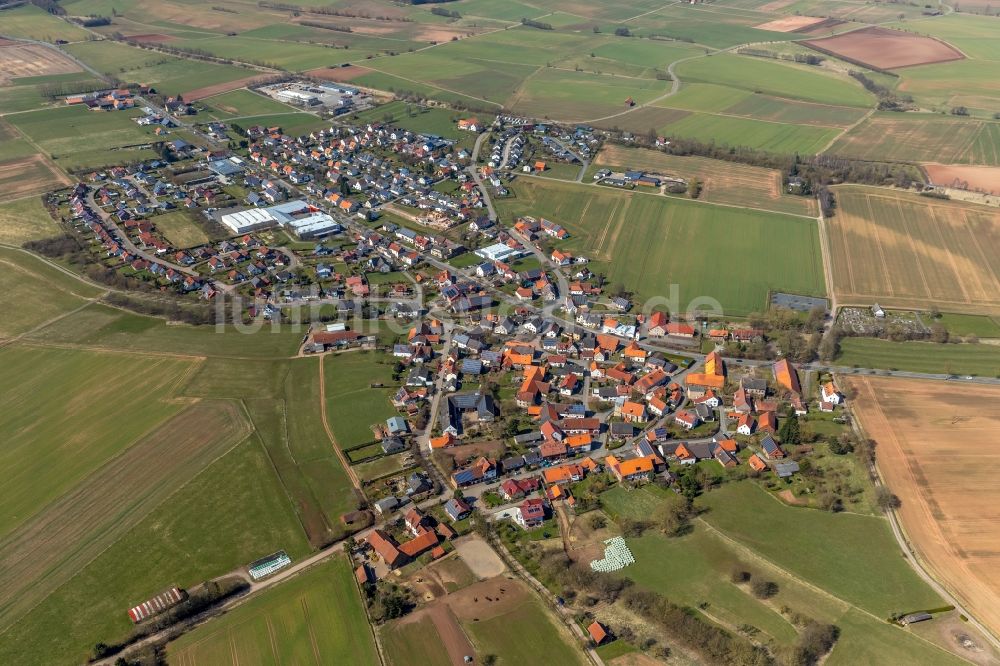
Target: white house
(830, 394)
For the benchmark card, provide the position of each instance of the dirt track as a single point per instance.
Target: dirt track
(937, 451)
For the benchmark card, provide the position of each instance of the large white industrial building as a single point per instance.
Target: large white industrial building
(296, 216)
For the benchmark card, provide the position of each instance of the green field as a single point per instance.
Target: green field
(180, 229)
(736, 132)
(170, 75)
(524, 635)
(979, 325)
(69, 134)
(24, 220)
(21, 278)
(102, 326)
(30, 22)
(646, 242)
(242, 102)
(290, 123)
(347, 384)
(851, 556)
(316, 618)
(83, 395)
(180, 543)
(959, 359)
(413, 642)
(425, 120)
(695, 570)
(799, 82)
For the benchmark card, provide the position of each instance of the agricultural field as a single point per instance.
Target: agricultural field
(69, 134)
(903, 250)
(242, 102)
(735, 131)
(695, 569)
(105, 327)
(881, 48)
(973, 178)
(315, 618)
(21, 278)
(23, 220)
(348, 380)
(20, 60)
(797, 82)
(874, 579)
(31, 22)
(646, 242)
(722, 182)
(179, 543)
(943, 484)
(922, 138)
(169, 74)
(945, 359)
(977, 325)
(25, 176)
(429, 120)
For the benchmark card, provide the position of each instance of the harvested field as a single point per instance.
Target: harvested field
(29, 175)
(219, 88)
(825, 27)
(974, 178)
(947, 488)
(886, 49)
(339, 74)
(19, 60)
(903, 250)
(53, 546)
(722, 182)
(790, 23)
(151, 38)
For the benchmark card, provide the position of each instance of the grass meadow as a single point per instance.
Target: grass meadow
(981, 360)
(647, 242)
(31, 22)
(21, 278)
(746, 528)
(316, 618)
(524, 635)
(734, 131)
(23, 220)
(425, 120)
(348, 377)
(242, 102)
(170, 75)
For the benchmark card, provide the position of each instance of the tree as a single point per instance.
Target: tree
(842, 445)
(739, 574)
(694, 188)
(886, 500)
(939, 333)
(597, 521)
(672, 516)
(789, 431)
(763, 589)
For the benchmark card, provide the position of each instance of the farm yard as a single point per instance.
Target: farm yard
(903, 250)
(722, 182)
(922, 455)
(316, 618)
(646, 242)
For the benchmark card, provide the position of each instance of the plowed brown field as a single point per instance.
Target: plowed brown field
(937, 450)
(886, 49)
